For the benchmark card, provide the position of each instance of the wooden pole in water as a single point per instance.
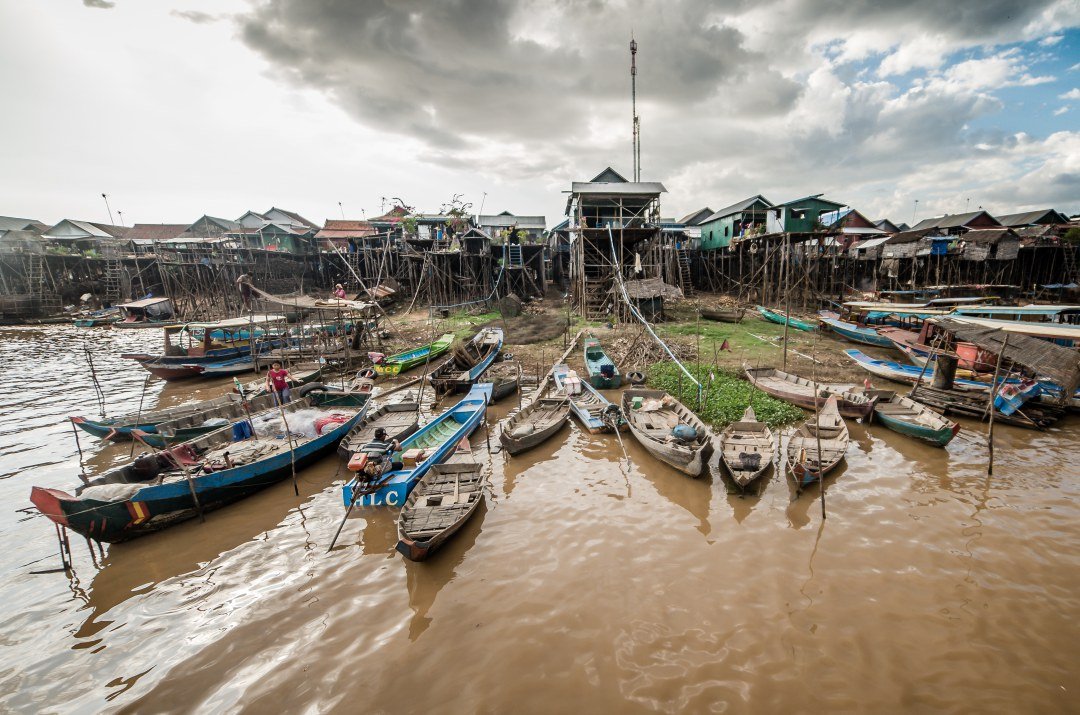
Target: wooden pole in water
(994, 390)
(138, 415)
(292, 447)
(817, 433)
(82, 470)
(785, 277)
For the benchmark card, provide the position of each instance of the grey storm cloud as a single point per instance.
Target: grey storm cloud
(101, 4)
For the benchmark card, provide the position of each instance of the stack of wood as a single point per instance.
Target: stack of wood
(642, 351)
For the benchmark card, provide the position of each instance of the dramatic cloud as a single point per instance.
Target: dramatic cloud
(736, 97)
(199, 18)
(102, 4)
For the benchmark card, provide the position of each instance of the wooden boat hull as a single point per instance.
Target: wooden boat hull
(446, 379)
(589, 406)
(595, 358)
(805, 465)
(171, 373)
(779, 318)
(747, 448)
(690, 459)
(303, 374)
(722, 316)
(157, 507)
(937, 437)
(120, 429)
(449, 428)
(865, 336)
(559, 411)
(851, 406)
(416, 543)
(399, 419)
(405, 361)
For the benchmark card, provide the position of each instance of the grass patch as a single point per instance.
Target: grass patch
(725, 397)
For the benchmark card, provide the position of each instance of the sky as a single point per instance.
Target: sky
(180, 108)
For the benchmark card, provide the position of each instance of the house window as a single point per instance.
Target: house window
(726, 230)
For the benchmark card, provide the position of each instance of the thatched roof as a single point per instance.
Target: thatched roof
(1046, 359)
(651, 288)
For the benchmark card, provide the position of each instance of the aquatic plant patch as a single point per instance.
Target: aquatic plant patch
(725, 395)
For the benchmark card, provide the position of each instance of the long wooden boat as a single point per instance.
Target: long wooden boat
(430, 445)
(595, 412)
(668, 430)
(212, 342)
(189, 427)
(467, 363)
(747, 448)
(775, 316)
(602, 370)
(96, 318)
(399, 419)
(723, 315)
(224, 368)
(805, 464)
(857, 334)
(118, 429)
(800, 391)
(403, 361)
(534, 423)
(910, 374)
(155, 491)
(908, 417)
(505, 379)
(440, 504)
(302, 373)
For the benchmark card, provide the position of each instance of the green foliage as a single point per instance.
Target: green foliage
(409, 225)
(725, 397)
(1072, 236)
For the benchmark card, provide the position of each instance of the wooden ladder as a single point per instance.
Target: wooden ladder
(1072, 275)
(514, 256)
(685, 279)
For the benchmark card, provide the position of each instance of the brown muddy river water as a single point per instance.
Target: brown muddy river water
(582, 585)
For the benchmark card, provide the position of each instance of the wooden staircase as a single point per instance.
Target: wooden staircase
(686, 282)
(512, 252)
(1068, 252)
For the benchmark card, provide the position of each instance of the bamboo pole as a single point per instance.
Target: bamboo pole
(994, 391)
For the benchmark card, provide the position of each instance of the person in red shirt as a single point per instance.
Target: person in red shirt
(339, 291)
(277, 381)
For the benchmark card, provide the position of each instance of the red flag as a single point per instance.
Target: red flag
(725, 346)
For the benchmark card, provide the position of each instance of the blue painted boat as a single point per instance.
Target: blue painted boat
(462, 369)
(908, 417)
(595, 412)
(603, 372)
(154, 491)
(774, 316)
(857, 334)
(118, 429)
(438, 439)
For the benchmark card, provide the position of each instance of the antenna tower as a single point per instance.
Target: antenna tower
(633, 104)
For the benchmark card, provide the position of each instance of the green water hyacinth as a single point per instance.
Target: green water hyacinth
(725, 397)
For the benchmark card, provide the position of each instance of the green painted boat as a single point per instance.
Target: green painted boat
(603, 373)
(908, 417)
(401, 362)
(776, 317)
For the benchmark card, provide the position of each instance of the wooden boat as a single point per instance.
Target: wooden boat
(400, 362)
(224, 368)
(534, 423)
(429, 446)
(95, 318)
(805, 464)
(857, 334)
(723, 315)
(799, 391)
(467, 362)
(303, 374)
(602, 371)
(505, 379)
(189, 427)
(440, 504)
(747, 448)
(119, 429)
(155, 491)
(399, 419)
(213, 342)
(656, 418)
(146, 313)
(595, 412)
(775, 316)
(906, 416)
(910, 374)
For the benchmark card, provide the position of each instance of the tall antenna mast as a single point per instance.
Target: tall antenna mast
(636, 150)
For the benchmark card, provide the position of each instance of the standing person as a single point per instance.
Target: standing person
(277, 381)
(339, 291)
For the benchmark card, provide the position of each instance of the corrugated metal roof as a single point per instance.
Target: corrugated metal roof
(1028, 218)
(951, 220)
(737, 207)
(635, 188)
(508, 219)
(144, 303)
(155, 231)
(11, 223)
(870, 243)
